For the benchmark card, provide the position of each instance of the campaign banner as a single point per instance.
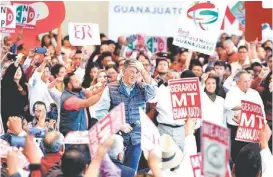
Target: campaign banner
(77, 137)
(83, 34)
(196, 161)
(238, 11)
(105, 127)
(150, 137)
(215, 149)
(26, 16)
(185, 97)
(8, 20)
(251, 122)
(146, 43)
(199, 25)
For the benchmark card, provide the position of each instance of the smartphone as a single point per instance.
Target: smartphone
(53, 113)
(12, 56)
(17, 141)
(37, 132)
(40, 50)
(13, 48)
(162, 54)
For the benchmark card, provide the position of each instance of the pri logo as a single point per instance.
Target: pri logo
(25, 14)
(9, 16)
(203, 14)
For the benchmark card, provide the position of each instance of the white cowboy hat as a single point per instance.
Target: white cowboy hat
(172, 156)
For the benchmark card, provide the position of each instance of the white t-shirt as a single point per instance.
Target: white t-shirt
(38, 91)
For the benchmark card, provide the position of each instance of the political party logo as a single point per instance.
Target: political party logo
(26, 16)
(8, 23)
(238, 10)
(203, 14)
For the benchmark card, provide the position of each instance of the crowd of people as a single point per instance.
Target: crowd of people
(70, 88)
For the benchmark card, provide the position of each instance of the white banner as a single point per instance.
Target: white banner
(8, 19)
(152, 18)
(83, 34)
(199, 26)
(77, 137)
(148, 18)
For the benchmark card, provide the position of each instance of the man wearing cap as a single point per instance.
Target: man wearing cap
(134, 95)
(162, 66)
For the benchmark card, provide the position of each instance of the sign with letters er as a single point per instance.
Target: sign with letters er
(105, 127)
(8, 20)
(82, 34)
(185, 96)
(251, 122)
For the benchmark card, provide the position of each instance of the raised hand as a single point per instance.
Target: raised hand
(15, 125)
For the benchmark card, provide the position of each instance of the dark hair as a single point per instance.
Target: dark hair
(268, 48)
(194, 62)
(78, 52)
(84, 149)
(187, 74)
(66, 38)
(102, 35)
(87, 78)
(72, 163)
(20, 47)
(111, 42)
(183, 51)
(227, 66)
(43, 44)
(248, 68)
(242, 47)
(8, 78)
(38, 103)
(56, 69)
(112, 66)
(106, 54)
(220, 63)
(248, 162)
(157, 61)
(67, 78)
(217, 80)
(219, 44)
(255, 64)
(209, 68)
(101, 57)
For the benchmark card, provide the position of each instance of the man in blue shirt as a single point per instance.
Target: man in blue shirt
(133, 94)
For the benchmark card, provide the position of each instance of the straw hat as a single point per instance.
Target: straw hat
(172, 156)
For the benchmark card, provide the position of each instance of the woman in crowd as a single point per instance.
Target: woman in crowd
(100, 79)
(212, 104)
(91, 72)
(14, 93)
